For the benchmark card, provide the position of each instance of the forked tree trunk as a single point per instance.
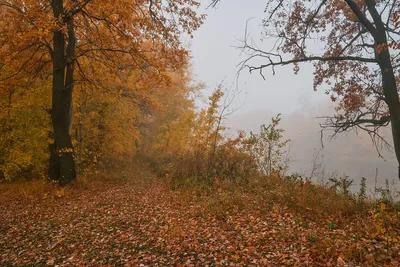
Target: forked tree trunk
(62, 165)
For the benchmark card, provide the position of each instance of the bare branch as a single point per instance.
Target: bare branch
(282, 62)
(365, 121)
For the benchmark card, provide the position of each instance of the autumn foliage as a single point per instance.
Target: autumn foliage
(196, 148)
(349, 43)
(106, 87)
(393, 44)
(92, 56)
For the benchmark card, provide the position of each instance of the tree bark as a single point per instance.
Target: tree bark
(62, 165)
(388, 78)
(392, 100)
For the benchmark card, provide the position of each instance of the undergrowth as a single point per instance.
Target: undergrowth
(334, 224)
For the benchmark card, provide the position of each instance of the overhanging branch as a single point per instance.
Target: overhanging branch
(369, 122)
(282, 62)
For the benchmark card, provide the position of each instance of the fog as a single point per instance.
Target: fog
(346, 154)
(215, 60)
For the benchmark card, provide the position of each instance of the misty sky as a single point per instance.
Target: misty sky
(215, 59)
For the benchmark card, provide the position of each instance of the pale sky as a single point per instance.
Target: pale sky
(215, 59)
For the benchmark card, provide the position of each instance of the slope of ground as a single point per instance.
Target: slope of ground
(147, 224)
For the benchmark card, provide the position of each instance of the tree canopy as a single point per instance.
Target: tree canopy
(97, 44)
(350, 46)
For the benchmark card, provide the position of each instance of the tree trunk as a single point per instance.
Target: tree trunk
(388, 78)
(395, 120)
(62, 165)
(392, 100)
(54, 163)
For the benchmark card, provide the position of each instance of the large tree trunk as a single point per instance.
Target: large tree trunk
(392, 100)
(62, 165)
(395, 120)
(388, 78)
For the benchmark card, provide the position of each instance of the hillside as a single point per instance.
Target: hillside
(138, 220)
